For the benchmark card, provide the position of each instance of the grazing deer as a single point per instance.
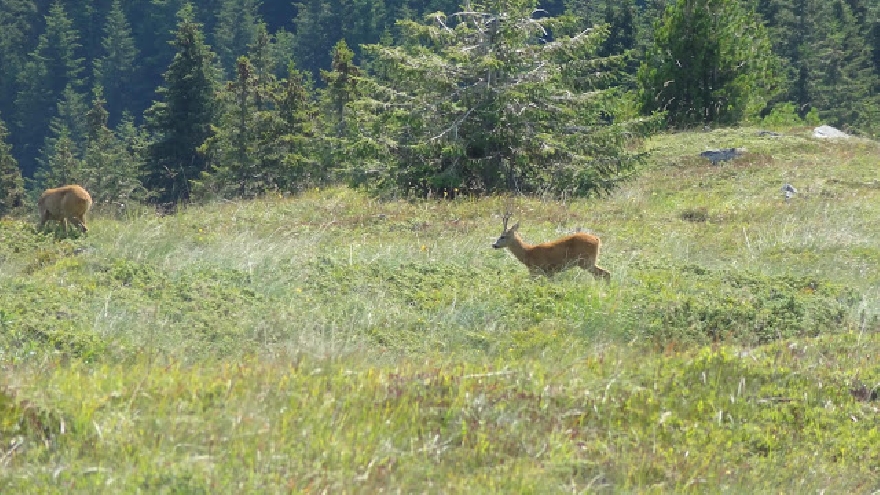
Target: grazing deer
(63, 204)
(553, 257)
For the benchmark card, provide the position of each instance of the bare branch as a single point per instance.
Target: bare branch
(454, 125)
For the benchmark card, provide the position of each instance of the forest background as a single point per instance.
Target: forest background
(167, 100)
(313, 336)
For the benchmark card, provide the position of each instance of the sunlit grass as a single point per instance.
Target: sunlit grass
(332, 341)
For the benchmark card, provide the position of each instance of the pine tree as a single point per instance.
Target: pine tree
(826, 46)
(841, 78)
(51, 68)
(262, 57)
(233, 167)
(11, 181)
(342, 86)
(115, 70)
(16, 25)
(110, 169)
(61, 165)
(153, 28)
(70, 113)
(478, 101)
(297, 132)
(316, 28)
(69, 127)
(339, 138)
(181, 120)
(711, 62)
(236, 31)
(263, 140)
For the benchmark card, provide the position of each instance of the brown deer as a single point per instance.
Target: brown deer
(65, 203)
(552, 257)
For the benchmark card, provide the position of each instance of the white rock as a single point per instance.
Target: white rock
(826, 131)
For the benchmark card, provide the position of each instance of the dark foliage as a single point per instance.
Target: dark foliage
(702, 62)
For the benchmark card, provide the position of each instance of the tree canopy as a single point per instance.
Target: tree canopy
(483, 101)
(244, 97)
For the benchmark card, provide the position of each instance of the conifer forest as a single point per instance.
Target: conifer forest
(164, 101)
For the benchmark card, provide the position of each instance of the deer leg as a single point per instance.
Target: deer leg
(597, 271)
(600, 273)
(81, 224)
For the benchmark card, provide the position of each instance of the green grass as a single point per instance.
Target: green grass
(334, 342)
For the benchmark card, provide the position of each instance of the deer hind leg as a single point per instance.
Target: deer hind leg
(597, 271)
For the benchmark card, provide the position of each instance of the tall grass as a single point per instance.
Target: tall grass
(330, 341)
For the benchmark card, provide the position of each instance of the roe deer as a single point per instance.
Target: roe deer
(65, 203)
(552, 257)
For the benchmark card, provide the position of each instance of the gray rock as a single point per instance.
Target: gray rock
(768, 134)
(826, 131)
(721, 155)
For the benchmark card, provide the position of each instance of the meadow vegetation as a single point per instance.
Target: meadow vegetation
(334, 342)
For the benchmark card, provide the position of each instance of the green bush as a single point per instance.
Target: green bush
(783, 114)
(744, 308)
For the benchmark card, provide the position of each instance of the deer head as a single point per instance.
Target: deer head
(507, 235)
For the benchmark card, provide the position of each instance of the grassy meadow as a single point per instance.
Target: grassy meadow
(331, 342)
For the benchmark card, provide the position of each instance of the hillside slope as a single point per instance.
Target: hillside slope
(332, 341)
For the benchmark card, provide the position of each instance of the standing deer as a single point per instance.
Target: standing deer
(553, 257)
(65, 203)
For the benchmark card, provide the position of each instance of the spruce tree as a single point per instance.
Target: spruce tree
(11, 181)
(181, 120)
(116, 69)
(88, 18)
(236, 30)
(67, 136)
(621, 20)
(261, 55)
(263, 140)
(827, 50)
(478, 101)
(111, 170)
(297, 131)
(16, 26)
(70, 113)
(342, 86)
(711, 62)
(53, 67)
(153, 28)
(233, 167)
(283, 51)
(62, 164)
(842, 82)
(316, 28)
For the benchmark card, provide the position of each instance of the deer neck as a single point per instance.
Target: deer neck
(519, 247)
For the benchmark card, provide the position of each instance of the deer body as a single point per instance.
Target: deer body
(552, 257)
(63, 204)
